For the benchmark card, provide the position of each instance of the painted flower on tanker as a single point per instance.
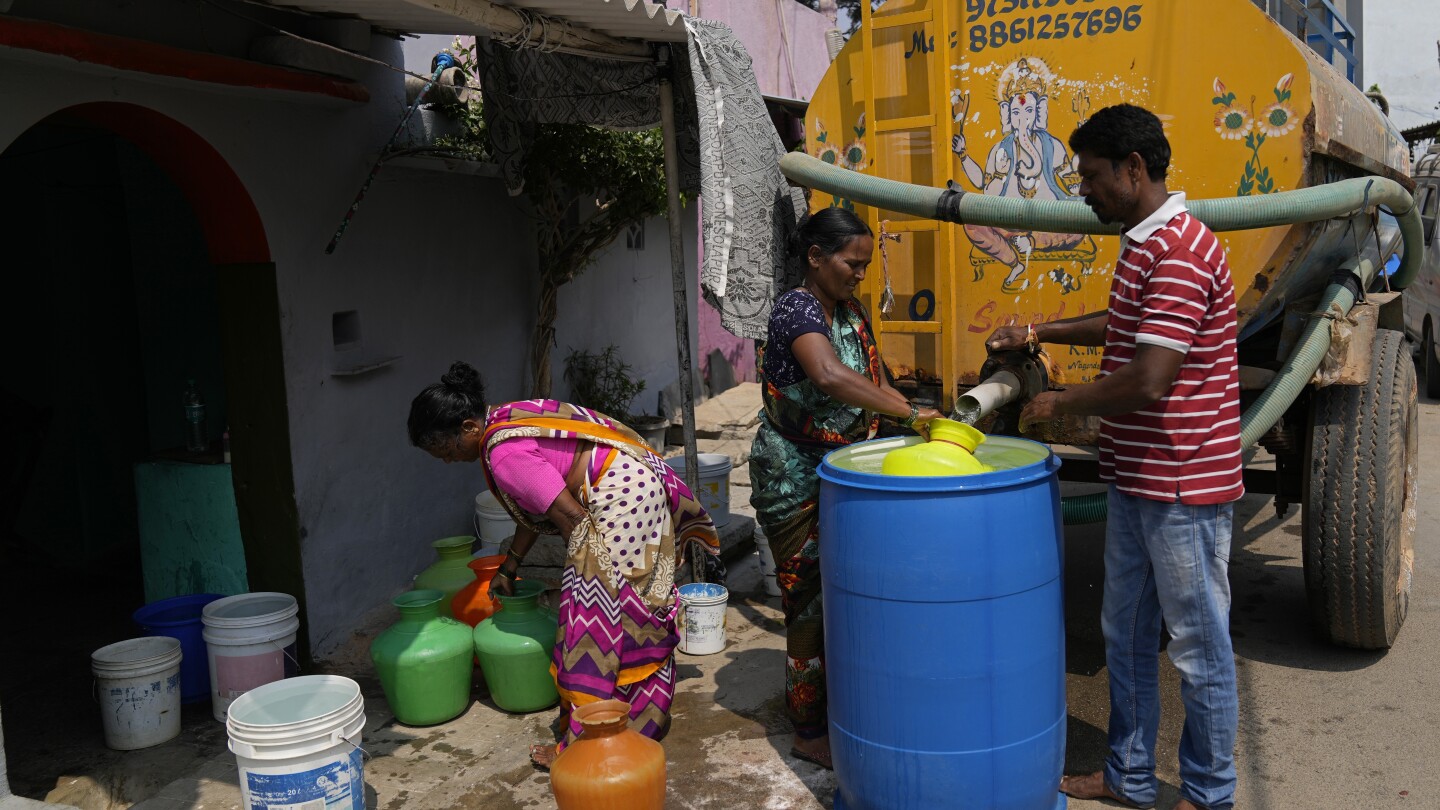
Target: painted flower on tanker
(1232, 122)
(855, 157)
(823, 149)
(1275, 120)
(1278, 119)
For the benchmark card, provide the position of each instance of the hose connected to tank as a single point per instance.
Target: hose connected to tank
(1340, 199)
(1272, 403)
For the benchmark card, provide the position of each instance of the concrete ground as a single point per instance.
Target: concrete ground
(1319, 726)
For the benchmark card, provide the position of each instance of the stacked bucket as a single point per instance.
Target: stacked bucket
(196, 647)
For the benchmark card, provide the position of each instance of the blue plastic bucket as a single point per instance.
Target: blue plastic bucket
(944, 630)
(179, 617)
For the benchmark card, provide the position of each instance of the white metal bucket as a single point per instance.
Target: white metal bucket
(714, 483)
(702, 618)
(493, 525)
(250, 641)
(137, 683)
(297, 744)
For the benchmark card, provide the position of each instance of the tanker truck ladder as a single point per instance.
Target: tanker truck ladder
(914, 147)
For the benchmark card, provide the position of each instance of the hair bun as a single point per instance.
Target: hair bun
(462, 378)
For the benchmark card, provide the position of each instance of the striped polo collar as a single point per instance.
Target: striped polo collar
(1173, 206)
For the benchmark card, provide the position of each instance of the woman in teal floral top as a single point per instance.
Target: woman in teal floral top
(823, 388)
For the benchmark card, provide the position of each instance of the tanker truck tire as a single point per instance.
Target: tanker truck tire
(1430, 364)
(1361, 489)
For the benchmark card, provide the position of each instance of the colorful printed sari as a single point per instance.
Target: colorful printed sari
(618, 603)
(799, 425)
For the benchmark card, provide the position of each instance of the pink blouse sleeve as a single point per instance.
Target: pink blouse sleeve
(523, 472)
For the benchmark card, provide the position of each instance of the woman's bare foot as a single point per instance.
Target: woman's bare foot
(542, 756)
(816, 751)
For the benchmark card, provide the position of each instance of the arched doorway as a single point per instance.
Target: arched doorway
(137, 262)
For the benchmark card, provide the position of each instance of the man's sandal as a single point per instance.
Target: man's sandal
(1091, 786)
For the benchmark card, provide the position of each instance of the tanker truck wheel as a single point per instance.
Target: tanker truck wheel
(1358, 520)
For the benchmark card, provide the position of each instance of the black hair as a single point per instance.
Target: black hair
(829, 229)
(437, 413)
(1115, 132)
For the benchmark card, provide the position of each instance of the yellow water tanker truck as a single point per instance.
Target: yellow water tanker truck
(944, 123)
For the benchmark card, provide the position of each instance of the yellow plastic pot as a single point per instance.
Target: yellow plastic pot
(950, 451)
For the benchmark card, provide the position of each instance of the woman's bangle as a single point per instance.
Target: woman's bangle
(510, 552)
(909, 421)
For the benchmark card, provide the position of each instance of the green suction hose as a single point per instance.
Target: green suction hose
(1077, 510)
(1329, 201)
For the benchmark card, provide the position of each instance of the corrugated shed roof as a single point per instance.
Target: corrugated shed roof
(622, 19)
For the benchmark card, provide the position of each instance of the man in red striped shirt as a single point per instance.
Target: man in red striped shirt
(1169, 400)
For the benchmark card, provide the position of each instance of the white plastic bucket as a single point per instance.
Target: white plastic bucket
(493, 525)
(250, 641)
(297, 744)
(702, 618)
(714, 483)
(137, 683)
(767, 562)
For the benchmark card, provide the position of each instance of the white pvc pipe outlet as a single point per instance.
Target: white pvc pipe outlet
(1001, 388)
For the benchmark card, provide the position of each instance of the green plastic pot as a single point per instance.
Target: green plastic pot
(424, 661)
(451, 572)
(514, 647)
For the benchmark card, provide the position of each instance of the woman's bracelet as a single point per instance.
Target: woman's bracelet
(909, 421)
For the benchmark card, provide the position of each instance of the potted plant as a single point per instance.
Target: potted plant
(602, 381)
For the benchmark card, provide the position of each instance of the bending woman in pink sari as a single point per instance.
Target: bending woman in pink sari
(569, 471)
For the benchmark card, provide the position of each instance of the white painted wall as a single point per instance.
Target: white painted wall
(439, 267)
(626, 298)
(1401, 36)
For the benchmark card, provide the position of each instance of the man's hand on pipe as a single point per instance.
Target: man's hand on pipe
(1008, 337)
(1045, 407)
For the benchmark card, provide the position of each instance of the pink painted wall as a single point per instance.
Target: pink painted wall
(770, 30)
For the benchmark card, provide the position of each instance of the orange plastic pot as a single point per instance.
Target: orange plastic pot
(610, 766)
(473, 604)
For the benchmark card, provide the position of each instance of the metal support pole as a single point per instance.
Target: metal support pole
(678, 280)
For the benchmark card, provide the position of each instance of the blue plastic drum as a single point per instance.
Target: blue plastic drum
(944, 631)
(179, 617)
